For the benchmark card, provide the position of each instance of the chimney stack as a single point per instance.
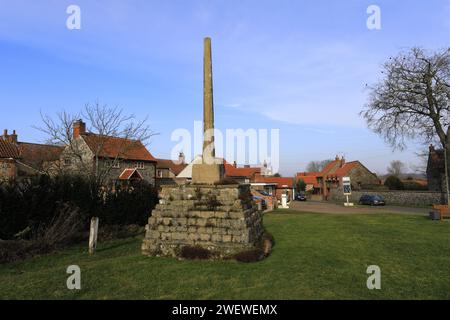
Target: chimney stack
(235, 164)
(79, 128)
(181, 158)
(431, 148)
(13, 137)
(9, 137)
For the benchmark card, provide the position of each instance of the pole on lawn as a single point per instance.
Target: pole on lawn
(93, 235)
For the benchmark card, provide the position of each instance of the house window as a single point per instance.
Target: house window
(115, 164)
(160, 174)
(140, 165)
(67, 161)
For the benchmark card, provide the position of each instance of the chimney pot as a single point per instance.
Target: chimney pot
(431, 148)
(181, 158)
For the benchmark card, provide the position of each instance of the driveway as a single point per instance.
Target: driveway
(331, 207)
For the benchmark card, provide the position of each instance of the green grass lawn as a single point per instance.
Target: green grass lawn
(316, 256)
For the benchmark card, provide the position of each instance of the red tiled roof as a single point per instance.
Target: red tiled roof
(246, 172)
(317, 174)
(128, 173)
(112, 147)
(171, 165)
(280, 181)
(330, 166)
(35, 155)
(344, 170)
(308, 179)
(8, 150)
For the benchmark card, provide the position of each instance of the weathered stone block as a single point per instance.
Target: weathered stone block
(183, 218)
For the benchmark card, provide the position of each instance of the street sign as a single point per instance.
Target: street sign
(346, 184)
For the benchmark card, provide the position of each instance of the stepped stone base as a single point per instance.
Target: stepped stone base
(219, 218)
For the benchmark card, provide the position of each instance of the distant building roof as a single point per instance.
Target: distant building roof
(337, 168)
(242, 172)
(308, 179)
(280, 181)
(8, 150)
(173, 166)
(35, 155)
(115, 147)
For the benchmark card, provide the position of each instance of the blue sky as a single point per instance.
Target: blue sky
(297, 66)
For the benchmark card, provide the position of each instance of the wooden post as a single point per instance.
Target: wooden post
(93, 235)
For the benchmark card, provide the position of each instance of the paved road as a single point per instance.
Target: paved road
(330, 207)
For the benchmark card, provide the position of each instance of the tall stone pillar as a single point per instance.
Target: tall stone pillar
(208, 104)
(211, 170)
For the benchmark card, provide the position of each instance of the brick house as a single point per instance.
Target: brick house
(319, 184)
(23, 159)
(9, 154)
(167, 170)
(277, 185)
(244, 174)
(119, 159)
(436, 169)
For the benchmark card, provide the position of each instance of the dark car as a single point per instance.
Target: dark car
(261, 200)
(264, 193)
(300, 197)
(372, 200)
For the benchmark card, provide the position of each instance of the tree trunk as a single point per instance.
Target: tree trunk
(446, 152)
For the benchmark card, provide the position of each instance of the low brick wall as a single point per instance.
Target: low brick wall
(402, 198)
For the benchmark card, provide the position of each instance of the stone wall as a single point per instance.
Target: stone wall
(403, 198)
(221, 219)
(8, 169)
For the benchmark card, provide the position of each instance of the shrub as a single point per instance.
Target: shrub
(394, 183)
(62, 230)
(29, 205)
(253, 255)
(65, 229)
(413, 185)
(195, 252)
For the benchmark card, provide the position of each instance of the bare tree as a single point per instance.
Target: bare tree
(396, 168)
(106, 123)
(412, 101)
(317, 166)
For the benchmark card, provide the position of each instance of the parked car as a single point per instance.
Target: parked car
(373, 200)
(261, 200)
(300, 196)
(264, 193)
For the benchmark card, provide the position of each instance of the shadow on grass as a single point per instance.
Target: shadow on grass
(115, 245)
